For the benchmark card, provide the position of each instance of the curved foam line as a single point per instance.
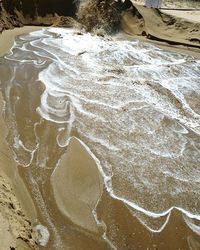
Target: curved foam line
(153, 230)
(108, 185)
(46, 78)
(192, 226)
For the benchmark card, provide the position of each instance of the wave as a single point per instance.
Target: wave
(133, 105)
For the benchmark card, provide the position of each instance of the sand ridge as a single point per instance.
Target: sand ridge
(169, 26)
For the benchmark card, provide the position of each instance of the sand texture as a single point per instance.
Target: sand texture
(99, 138)
(78, 185)
(174, 27)
(110, 156)
(17, 212)
(16, 231)
(8, 36)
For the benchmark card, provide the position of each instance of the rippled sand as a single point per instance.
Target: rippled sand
(106, 133)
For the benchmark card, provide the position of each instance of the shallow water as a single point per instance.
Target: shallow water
(135, 110)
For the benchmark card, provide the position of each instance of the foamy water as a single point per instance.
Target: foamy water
(135, 106)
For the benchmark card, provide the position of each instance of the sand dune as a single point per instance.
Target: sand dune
(174, 27)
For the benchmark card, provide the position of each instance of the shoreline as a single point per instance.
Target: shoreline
(17, 220)
(7, 37)
(12, 172)
(9, 168)
(17, 211)
(165, 46)
(7, 40)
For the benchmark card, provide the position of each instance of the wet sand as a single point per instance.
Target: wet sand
(8, 36)
(118, 226)
(20, 210)
(17, 211)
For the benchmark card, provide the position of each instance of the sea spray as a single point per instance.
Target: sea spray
(100, 15)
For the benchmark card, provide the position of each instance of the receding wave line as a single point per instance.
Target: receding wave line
(135, 106)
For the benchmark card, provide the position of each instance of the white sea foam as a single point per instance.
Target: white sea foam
(44, 235)
(135, 106)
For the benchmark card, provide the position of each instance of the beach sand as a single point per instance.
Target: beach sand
(8, 36)
(123, 227)
(17, 211)
(170, 28)
(16, 230)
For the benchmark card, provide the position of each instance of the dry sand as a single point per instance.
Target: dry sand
(166, 26)
(184, 4)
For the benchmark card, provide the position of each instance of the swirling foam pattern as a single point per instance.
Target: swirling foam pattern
(137, 108)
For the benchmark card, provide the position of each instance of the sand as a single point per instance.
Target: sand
(190, 16)
(7, 37)
(157, 27)
(16, 190)
(170, 27)
(77, 175)
(185, 4)
(17, 211)
(16, 231)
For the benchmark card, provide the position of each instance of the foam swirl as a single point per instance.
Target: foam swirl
(134, 105)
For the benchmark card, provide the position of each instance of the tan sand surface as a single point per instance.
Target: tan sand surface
(170, 27)
(181, 28)
(7, 37)
(191, 16)
(71, 180)
(16, 231)
(9, 168)
(173, 4)
(17, 211)
(78, 185)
